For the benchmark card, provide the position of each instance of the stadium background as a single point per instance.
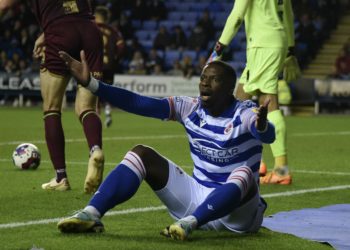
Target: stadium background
(175, 37)
(318, 144)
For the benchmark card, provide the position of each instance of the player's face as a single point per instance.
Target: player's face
(214, 88)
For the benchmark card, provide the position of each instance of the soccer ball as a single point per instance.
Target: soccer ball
(26, 156)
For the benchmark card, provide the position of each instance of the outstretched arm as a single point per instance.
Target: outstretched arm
(121, 98)
(261, 128)
(288, 22)
(233, 22)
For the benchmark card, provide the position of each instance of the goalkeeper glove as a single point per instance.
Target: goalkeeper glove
(291, 71)
(217, 52)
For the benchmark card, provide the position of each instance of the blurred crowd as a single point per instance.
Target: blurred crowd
(342, 63)
(314, 21)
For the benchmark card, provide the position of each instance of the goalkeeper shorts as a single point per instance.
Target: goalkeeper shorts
(262, 70)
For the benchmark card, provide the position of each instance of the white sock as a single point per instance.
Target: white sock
(92, 210)
(192, 220)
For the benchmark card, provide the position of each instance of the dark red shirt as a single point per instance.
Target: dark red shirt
(343, 65)
(47, 11)
(113, 45)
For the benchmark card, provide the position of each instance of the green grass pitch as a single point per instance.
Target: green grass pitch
(319, 158)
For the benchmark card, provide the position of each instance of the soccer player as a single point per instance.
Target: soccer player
(225, 137)
(270, 41)
(70, 26)
(113, 48)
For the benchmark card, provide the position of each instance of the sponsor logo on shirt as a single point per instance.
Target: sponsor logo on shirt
(214, 152)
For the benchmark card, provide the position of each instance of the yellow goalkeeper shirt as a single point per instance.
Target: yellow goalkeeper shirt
(268, 23)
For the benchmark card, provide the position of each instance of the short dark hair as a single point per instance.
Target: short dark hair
(229, 71)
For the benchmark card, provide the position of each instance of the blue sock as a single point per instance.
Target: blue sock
(219, 203)
(119, 186)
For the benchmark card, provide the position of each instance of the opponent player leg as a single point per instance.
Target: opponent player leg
(108, 76)
(280, 174)
(120, 185)
(108, 115)
(53, 88)
(85, 108)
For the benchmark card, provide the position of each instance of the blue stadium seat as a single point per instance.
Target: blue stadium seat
(211, 45)
(296, 24)
(136, 24)
(238, 44)
(187, 25)
(222, 16)
(153, 34)
(241, 36)
(215, 7)
(301, 47)
(227, 7)
(168, 24)
(160, 53)
(238, 66)
(146, 44)
(217, 34)
(125, 64)
(200, 7)
(239, 56)
(150, 25)
(170, 56)
(191, 16)
(219, 24)
(204, 53)
(190, 53)
(175, 15)
(142, 35)
(183, 7)
(170, 6)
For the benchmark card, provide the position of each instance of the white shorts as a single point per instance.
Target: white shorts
(183, 194)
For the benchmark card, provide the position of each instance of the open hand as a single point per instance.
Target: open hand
(261, 121)
(79, 70)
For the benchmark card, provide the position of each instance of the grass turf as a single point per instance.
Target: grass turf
(318, 156)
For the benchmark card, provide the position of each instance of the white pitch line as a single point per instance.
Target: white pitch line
(151, 209)
(163, 137)
(55, 220)
(115, 138)
(322, 133)
(313, 190)
(298, 171)
(320, 172)
(190, 167)
(68, 162)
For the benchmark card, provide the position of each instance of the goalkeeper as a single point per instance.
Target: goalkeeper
(270, 41)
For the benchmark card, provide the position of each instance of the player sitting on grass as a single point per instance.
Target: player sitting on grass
(225, 137)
